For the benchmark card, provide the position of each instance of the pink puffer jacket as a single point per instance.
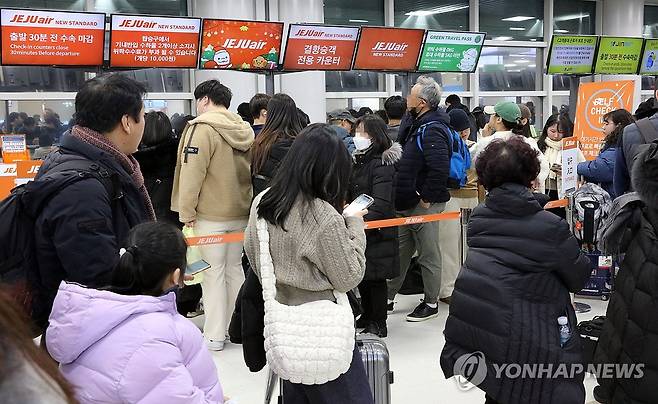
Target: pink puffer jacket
(130, 349)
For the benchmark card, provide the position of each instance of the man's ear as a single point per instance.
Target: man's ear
(125, 123)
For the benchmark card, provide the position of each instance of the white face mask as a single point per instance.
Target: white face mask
(362, 143)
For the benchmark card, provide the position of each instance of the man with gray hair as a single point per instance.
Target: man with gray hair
(422, 189)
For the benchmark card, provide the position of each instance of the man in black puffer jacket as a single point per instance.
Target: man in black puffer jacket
(630, 333)
(522, 263)
(79, 230)
(422, 189)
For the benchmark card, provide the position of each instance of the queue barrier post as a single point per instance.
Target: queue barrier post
(464, 218)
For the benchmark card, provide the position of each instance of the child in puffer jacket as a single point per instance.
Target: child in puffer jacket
(128, 344)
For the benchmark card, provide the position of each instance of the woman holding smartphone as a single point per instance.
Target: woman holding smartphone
(373, 175)
(315, 248)
(557, 128)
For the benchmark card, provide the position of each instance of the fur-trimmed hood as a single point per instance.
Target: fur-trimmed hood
(645, 176)
(392, 155)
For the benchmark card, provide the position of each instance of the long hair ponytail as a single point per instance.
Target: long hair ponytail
(155, 250)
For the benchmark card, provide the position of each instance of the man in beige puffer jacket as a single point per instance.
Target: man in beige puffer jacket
(212, 193)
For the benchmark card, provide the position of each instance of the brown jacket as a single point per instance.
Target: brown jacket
(212, 180)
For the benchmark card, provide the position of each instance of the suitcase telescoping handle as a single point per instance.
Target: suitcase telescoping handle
(589, 208)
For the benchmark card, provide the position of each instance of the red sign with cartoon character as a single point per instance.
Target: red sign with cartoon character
(240, 45)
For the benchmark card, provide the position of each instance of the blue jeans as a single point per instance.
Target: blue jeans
(352, 387)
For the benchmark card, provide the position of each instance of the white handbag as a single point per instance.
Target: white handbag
(311, 343)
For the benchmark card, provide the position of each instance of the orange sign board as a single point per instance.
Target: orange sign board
(28, 168)
(141, 41)
(15, 174)
(594, 101)
(34, 37)
(240, 45)
(394, 49)
(14, 148)
(313, 47)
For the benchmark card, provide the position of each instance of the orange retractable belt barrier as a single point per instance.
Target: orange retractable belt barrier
(560, 203)
(375, 224)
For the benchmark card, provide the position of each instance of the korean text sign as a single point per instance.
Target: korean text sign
(569, 166)
(618, 55)
(451, 52)
(649, 64)
(572, 54)
(241, 45)
(394, 49)
(33, 37)
(141, 41)
(14, 148)
(312, 47)
(594, 101)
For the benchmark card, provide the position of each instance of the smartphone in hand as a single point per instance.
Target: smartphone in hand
(194, 268)
(362, 202)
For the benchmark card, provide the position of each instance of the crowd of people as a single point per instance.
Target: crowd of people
(110, 294)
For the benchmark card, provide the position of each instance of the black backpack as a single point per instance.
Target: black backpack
(19, 275)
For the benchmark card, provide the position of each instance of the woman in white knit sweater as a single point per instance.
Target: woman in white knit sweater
(314, 247)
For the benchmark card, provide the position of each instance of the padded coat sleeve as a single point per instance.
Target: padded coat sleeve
(436, 151)
(600, 169)
(80, 221)
(156, 374)
(574, 267)
(382, 193)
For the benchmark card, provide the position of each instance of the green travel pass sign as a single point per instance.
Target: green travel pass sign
(571, 54)
(451, 51)
(618, 55)
(649, 63)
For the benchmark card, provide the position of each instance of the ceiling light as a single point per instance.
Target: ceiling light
(502, 38)
(518, 18)
(437, 10)
(561, 31)
(516, 29)
(359, 21)
(572, 17)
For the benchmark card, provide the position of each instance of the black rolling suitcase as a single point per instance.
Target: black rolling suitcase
(376, 361)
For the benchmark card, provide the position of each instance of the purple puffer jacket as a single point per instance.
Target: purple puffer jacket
(129, 349)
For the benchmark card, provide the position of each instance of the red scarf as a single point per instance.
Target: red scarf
(129, 163)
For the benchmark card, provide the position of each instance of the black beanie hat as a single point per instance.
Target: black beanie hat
(459, 120)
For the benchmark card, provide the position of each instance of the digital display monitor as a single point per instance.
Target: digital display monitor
(451, 51)
(147, 41)
(572, 54)
(649, 55)
(240, 45)
(618, 55)
(51, 38)
(388, 49)
(320, 47)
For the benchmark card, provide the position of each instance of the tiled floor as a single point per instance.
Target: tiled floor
(414, 349)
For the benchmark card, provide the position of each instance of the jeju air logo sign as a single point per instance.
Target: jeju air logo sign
(33, 37)
(140, 41)
(240, 45)
(312, 47)
(393, 49)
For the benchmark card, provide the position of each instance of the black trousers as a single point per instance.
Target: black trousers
(351, 387)
(374, 295)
